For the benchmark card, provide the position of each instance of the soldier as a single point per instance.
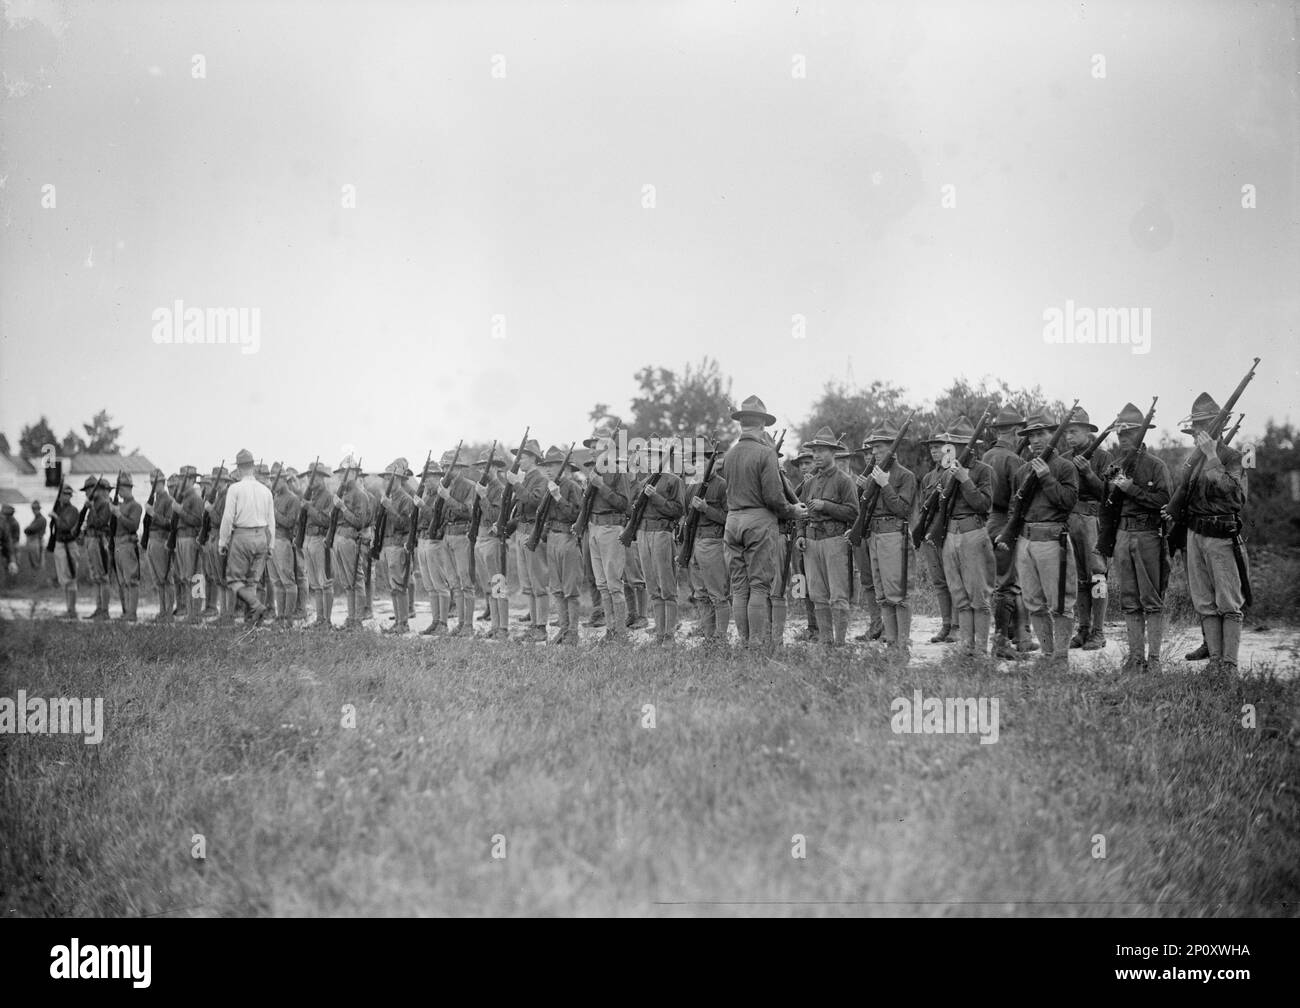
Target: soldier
(634, 585)
(320, 583)
(429, 553)
(95, 537)
(563, 553)
(665, 502)
(458, 502)
(968, 563)
(803, 463)
(708, 559)
(209, 592)
(488, 547)
(1090, 600)
(756, 501)
(352, 505)
(263, 473)
(395, 569)
(534, 577)
(160, 521)
(890, 544)
(247, 535)
(67, 551)
(126, 513)
(929, 553)
(611, 485)
(1010, 618)
(283, 561)
(1044, 547)
(211, 552)
(1217, 571)
(855, 464)
(188, 512)
(35, 546)
(832, 503)
(1141, 555)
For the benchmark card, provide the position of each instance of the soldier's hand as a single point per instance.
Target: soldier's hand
(13, 567)
(148, 509)
(817, 506)
(880, 477)
(961, 474)
(1122, 482)
(861, 480)
(801, 544)
(1165, 515)
(225, 551)
(698, 503)
(443, 492)
(800, 512)
(336, 500)
(1040, 467)
(513, 478)
(208, 506)
(481, 490)
(553, 489)
(1080, 462)
(388, 504)
(1206, 445)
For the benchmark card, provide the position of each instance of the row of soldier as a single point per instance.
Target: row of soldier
(276, 542)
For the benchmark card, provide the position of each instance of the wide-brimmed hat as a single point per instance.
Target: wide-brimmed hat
(186, 471)
(605, 433)
(244, 457)
(1007, 417)
(885, 433)
(157, 475)
(90, 484)
(1130, 417)
(434, 468)
(553, 454)
(64, 489)
(824, 438)
(497, 460)
(349, 464)
(753, 408)
(938, 437)
(1204, 408)
(317, 469)
(1079, 418)
(531, 447)
(1039, 421)
(124, 480)
(220, 473)
(960, 431)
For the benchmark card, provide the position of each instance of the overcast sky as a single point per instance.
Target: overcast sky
(775, 195)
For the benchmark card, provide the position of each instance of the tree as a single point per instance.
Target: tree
(72, 444)
(4, 445)
(854, 412)
(101, 435)
(34, 436)
(698, 401)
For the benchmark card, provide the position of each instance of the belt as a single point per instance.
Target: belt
(65, 538)
(826, 530)
(346, 531)
(607, 518)
(1140, 522)
(317, 530)
(657, 524)
(395, 539)
(128, 536)
(558, 526)
(186, 533)
(1224, 527)
(966, 523)
(887, 525)
(712, 532)
(457, 528)
(250, 528)
(1042, 531)
(1087, 507)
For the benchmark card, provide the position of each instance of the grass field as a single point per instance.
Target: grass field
(240, 738)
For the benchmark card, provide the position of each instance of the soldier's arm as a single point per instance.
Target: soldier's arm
(977, 490)
(894, 495)
(1157, 495)
(614, 491)
(844, 505)
(359, 516)
(400, 518)
(1224, 482)
(227, 523)
(671, 506)
(1060, 487)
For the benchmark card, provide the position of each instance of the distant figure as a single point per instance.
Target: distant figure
(9, 538)
(35, 533)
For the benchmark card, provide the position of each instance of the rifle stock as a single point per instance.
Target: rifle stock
(692, 524)
(870, 497)
(300, 533)
(628, 535)
(930, 507)
(1029, 488)
(948, 495)
(544, 508)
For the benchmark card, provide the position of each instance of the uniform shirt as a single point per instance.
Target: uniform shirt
(613, 494)
(974, 497)
(65, 522)
(715, 502)
(530, 493)
(287, 510)
(491, 510)
(356, 509)
(248, 505)
(129, 515)
(163, 508)
(458, 509)
(99, 517)
(896, 497)
(1004, 463)
(36, 530)
(672, 493)
(1092, 486)
(838, 491)
(565, 510)
(1056, 494)
(1221, 491)
(398, 523)
(1150, 490)
(319, 508)
(753, 476)
(190, 515)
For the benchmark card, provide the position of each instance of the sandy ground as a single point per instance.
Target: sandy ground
(1263, 649)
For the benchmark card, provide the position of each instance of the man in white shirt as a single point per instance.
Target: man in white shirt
(247, 534)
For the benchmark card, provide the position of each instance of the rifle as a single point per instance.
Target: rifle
(871, 496)
(1227, 438)
(206, 528)
(508, 500)
(1177, 506)
(413, 533)
(381, 521)
(49, 547)
(693, 516)
(335, 512)
(791, 498)
(588, 500)
(112, 527)
(930, 506)
(173, 529)
(1029, 488)
(300, 533)
(476, 515)
(1108, 518)
(148, 519)
(642, 500)
(439, 519)
(544, 508)
(948, 492)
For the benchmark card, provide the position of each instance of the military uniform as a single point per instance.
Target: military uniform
(159, 515)
(453, 558)
(832, 501)
(1009, 614)
(968, 563)
(654, 539)
(563, 551)
(34, 548)
(708, 559)
(67, 551)
(488, 550)
(189, 519)
(1140, 553)
(95, 536)
(430, 553)
(891, 546)
(534, 576)
(320, 580)
(395, 569)
(1045, 545)
(210, 553)
(930, 555)
(756, 501)
(353, 515)
(126, 516)
(284, 561)
(634, 585)
(1089, 608)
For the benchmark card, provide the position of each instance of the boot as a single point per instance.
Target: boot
(1212, 629)
(164, 606)
(562, 611)
(1082, 616)
(1043, 626)
(304, 593)
(657, 633)
(435, 628)
(70, 597)
(889, 623)
(327, 610)
(1025, 628)
(708, 624)
(840, 625)
(181, 608)
(1201, 653)
(670, 619)
(1231, 644)
(944, 636)
(779, 610)
(810, 615)
(350, 621)
(981, 619)
(575, 616)
(1155, 638)
(1061, 626)
(99, 606)
(541, 617)
(903, 618)
(292, 603)
(966, 631)
(639, 609)
(822, 613)
(722, 620)
(193, 608)
(1096, 638)
(1135, 628)
(876, 627)
(758, 620)
(130, 599)
(399, 609)
(598, 613)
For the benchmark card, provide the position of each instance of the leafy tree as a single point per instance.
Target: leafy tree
(4, 445)
(72, 444)
(854, 412)
(101, 435)
(696, 401)
(34, 436)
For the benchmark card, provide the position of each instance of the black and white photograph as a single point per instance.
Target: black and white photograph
(651, 458)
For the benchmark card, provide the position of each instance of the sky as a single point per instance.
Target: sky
(841, 192)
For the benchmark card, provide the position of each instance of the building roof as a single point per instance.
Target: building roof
(86, 464)
(21, 466)
(8, 495)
